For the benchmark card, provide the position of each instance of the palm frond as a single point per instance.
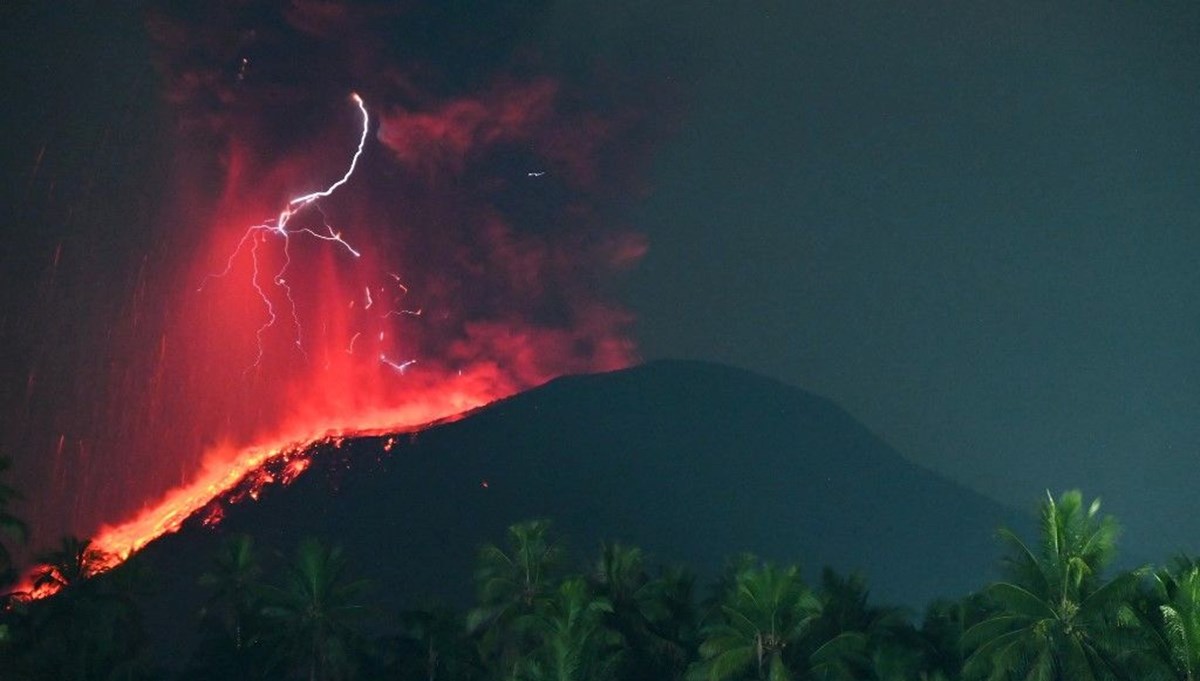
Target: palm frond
(1019, 600)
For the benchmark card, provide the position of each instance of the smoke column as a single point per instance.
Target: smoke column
(481, 230)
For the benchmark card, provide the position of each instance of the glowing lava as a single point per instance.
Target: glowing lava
(251, 469)
(346, 398)
(482, 220)
(291, 449)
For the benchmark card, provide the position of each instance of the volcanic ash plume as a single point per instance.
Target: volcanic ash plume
(466, 257)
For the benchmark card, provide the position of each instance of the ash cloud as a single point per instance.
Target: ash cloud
(488, 207)
(502, 178)
(490, 200)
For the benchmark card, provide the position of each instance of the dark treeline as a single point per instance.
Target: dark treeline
(1057, 613)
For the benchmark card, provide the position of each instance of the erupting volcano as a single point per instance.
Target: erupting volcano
(329, 264)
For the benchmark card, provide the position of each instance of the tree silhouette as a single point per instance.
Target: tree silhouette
(232, 644)
(233, 579)
(92, 626)
(70, 565)
(573, 642)
(763, 611)
(1171, 616)
(851, 639)
(433, 645)
(941, 635)
(655, 616)
(1057, 618)
(511, 585)
(316, 612)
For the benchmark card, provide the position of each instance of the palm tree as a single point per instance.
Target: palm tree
(513, 584)
(1056, 617)
(119, 592)
(233, 580)
(621, 573)
(853, 640)
(432, 645)
(573, 642)
(317, 611)
(655, 616)
(942, 632)
(517, 580)
(70, 565)
(92, 627)
(764, 611)
(10, 525)
(674, 621)
(232, 644)
(1172, 614)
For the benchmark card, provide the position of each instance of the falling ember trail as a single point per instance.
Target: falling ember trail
(228, 468)
(348, 397)
(362, 269)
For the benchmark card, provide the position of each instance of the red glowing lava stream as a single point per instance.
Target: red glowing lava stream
(119, 541)
(169, 513)
(115, 543)
(226, 467)
(296, 337)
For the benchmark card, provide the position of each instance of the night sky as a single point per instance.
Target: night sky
(973, 225)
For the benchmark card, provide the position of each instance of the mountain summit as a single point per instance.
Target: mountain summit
(693, 462)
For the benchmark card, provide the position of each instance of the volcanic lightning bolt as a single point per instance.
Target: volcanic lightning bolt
(291, 450)
(278, 225)
(341, 347)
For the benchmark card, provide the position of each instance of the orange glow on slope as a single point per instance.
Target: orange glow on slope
(226, 467)
(252, 341)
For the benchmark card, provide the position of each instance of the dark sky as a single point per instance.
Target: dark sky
(976, 226)
(973, 225)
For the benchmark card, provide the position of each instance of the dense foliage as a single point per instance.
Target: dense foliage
(1058, 613)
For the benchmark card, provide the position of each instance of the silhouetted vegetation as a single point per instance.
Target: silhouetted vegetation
(1056, 614)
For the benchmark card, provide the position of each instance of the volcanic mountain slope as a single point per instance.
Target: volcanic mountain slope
(693, 462)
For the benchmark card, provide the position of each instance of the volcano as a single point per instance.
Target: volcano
(694, 462)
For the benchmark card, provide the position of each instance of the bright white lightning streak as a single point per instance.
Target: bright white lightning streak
(398, 366)
(332, 235)
(287, 289)
(404, 289)
(309, 198)
(279, 225)
(266, 301)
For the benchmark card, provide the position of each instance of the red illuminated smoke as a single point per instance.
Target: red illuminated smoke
(487, 208)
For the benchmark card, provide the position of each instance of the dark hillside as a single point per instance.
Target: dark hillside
(694, 462)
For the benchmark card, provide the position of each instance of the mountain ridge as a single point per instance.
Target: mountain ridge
(694, 462)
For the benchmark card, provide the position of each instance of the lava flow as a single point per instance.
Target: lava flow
(228, 466)
(116, 543)
(322, 268)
